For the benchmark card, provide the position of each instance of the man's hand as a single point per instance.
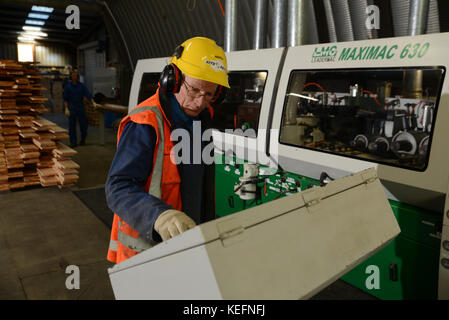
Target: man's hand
(95, 105)
(67, 112)
(171, 223)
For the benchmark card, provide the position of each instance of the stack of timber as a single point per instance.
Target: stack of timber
(11, 162)
(27, 141)
(65, 168)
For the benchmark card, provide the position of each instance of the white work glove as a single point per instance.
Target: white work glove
(67, 112)
(171, 223)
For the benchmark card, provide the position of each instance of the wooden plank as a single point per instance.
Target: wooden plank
(30, 155)
(15, 174)
(44, 172)
(37, 99)
(29, 135)
(49, 181)
(57, 129)
(63, 150)
(9, 111)
(67, 164)
(17, 184)
(62, 136)
(8, 117)
(44, 144)
(28, 147)
(6, 83)
(61, 171)
(12, 137)
(31, 161)
(41, 122)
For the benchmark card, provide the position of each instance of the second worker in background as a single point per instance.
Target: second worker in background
(74, 93)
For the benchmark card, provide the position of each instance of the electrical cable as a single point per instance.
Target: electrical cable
(221, 7)
(315, 84)
(375, 99)
(413, 109)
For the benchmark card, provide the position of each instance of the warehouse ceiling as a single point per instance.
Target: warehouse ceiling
(14, 14)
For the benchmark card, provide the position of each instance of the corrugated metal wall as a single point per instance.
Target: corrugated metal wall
(47, 55)
(52, 55)
(8, 50)
(154, 28)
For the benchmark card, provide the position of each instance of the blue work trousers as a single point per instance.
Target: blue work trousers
(73, 119)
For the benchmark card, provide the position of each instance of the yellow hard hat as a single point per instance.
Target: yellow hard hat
(202, 58)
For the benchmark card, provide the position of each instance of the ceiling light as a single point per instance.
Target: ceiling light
(25, 39)
(30, 28)
(27, 36)
(35, 34)
(38, 16)
(35, 22)
(42, 9)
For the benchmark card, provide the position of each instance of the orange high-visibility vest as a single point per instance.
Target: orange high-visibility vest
(163, 182)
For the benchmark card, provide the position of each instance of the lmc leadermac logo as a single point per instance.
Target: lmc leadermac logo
(324, 54)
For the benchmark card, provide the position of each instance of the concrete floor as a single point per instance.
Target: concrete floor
(43, 230)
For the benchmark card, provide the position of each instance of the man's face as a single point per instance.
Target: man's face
(195, 95)
(74, 77)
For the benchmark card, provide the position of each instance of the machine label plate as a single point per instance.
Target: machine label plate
(385, 52)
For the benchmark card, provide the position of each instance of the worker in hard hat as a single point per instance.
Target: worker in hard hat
(153, 197)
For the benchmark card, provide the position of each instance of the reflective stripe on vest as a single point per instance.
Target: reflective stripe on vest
(156, 178)
(113, 245)
(141, 243)
(132, 243)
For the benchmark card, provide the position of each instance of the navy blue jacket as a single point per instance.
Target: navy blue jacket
(74, 94)
(132, 165)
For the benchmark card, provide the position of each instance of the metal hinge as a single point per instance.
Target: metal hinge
(369, 176)
(312, 198)
(230, 231)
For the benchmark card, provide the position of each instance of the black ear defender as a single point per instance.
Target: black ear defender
(171, 77)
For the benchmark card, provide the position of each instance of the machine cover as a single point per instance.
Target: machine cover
(290, 248)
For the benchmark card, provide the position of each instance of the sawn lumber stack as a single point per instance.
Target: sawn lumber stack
(30, 149)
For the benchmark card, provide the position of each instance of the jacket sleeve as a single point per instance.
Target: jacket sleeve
(86, 91)
(129, 171)
(65, 94)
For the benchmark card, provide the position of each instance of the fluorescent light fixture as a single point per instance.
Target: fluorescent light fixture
(38, 16)
(25, 39)
(27, 35)
(34, 34)
(30, 28)
(35, 22)
(42, 9)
